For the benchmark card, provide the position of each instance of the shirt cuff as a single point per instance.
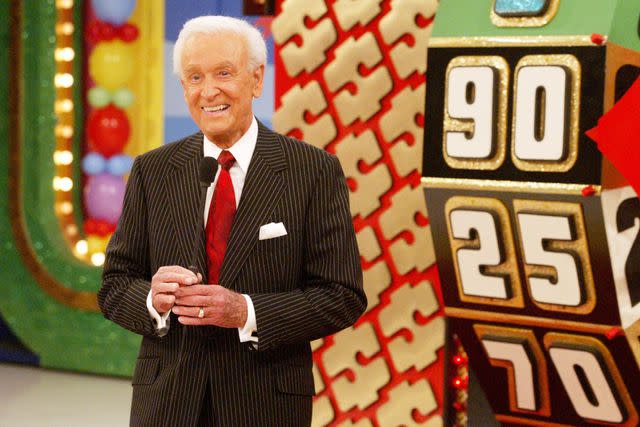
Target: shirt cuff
(161, 320)
(248, 332)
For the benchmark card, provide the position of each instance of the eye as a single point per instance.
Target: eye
(195, 78)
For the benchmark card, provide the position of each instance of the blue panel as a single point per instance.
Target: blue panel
(515, 8)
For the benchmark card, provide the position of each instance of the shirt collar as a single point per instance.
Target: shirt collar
(242, 149)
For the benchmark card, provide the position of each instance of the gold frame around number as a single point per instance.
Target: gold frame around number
(508, 268)
(525, 21)
(579, 247)
(571, 63)
(499, 64)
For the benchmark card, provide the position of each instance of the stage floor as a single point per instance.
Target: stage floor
(32, 396)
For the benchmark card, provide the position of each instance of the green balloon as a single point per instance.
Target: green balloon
(98, 97)
(123, 98)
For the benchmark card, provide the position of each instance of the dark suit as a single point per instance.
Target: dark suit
(304, 285)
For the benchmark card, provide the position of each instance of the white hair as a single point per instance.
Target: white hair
(213, 24)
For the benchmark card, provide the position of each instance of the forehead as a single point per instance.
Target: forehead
(211, 49)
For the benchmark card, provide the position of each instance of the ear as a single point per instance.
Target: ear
(258, 81)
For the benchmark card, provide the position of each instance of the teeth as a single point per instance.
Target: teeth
(216, 108)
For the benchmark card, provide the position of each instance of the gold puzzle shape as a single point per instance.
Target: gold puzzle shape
(315, 41)
(403, 399)
(317, 376)
(369, 90)
(351, 150)
(401, 20)
(295, 103)
(405, 204)
(362, 423)
(368, 244)
(352, 12)
(323, 412)
(317, 379)
(426, 340)
(368, 379)
(377, 278)
(401, 118)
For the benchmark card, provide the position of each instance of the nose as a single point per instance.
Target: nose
(210, 88)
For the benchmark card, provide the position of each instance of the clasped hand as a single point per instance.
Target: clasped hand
(177, 289)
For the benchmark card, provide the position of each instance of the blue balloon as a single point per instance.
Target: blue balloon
(119, 165)
(93, 164)
(115, 12)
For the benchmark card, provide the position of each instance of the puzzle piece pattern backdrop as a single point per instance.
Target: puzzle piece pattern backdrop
(350, 78)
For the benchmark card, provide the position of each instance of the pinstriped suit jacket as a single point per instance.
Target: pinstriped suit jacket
(304, 285)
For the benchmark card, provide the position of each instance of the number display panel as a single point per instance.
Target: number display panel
(530, 254)
(515, 113)
(543, 374)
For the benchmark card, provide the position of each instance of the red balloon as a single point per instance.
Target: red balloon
(108, 130)
(93, 32)
(128, 32)
(90, 226)
(104, 228)
(107, 31)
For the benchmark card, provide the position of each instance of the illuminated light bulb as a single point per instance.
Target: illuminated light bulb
(63, 157)
(64, 80)
(97, 259)
(62, 183)
(64, 106)
(72, 229)
(64, 131)
(65, 208)
(65, 29)
(82, 247)
(64, 4)
(65, 54)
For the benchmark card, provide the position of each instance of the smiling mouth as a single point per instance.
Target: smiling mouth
(215, 109)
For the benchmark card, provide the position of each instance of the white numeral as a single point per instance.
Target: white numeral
(480, 111)
(535, 230)
(602, 404)
(470, 260)
(523, 376)
(553, 81)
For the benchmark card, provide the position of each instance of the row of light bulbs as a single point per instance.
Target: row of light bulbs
(64, 55)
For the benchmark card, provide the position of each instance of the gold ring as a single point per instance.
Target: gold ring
(201, 313)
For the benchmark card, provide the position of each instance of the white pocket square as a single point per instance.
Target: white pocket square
(271, 230)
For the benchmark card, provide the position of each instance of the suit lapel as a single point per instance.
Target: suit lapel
(262, 190)
(183, 195)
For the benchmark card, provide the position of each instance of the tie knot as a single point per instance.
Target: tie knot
(226, 160)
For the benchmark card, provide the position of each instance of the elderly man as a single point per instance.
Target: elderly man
(280, 264)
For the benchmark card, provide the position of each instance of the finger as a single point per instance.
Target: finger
(163, 303)
(182, 279)
(175, 269)
(194, 321)
(199, 278)
(194, 301)
(181, 310)
(162, 287)
(198, 290)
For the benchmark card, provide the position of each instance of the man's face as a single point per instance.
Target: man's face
(219, 86)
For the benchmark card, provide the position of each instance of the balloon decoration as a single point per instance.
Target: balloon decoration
(108, 130)
(115, 12)
(111, 66)
(103, 196)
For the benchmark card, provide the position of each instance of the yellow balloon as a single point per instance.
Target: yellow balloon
(111, 64)
(96, 243)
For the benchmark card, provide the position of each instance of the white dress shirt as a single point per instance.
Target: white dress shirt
(242, 151)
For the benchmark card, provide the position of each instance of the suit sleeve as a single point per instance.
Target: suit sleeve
(330, 296)
(126, 275)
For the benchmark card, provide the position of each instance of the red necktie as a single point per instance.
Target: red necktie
(220, 219)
